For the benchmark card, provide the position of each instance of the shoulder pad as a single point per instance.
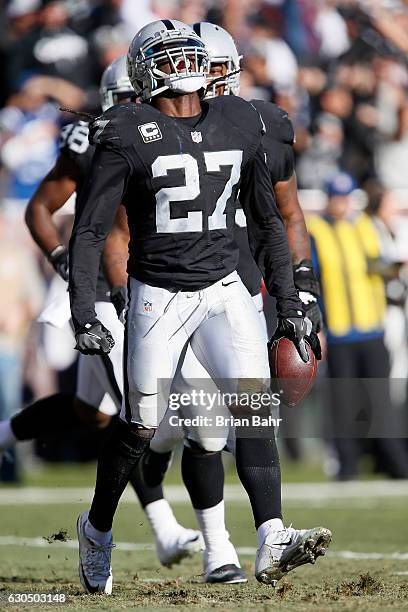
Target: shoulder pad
(277, 123)
(240, 113)
(114, 127)
(73, 138)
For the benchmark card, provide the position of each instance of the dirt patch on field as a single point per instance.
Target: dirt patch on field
(366, 585)
(284, 589)
(60, 536)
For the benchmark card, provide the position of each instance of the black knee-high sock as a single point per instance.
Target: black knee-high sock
(117, 461)
(203, 476)
(146, 495)
(47, 417)
(258, 469)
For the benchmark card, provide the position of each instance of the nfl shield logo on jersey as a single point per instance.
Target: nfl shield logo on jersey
(196, 137)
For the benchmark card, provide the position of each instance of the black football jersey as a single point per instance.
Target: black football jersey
(277, 143)
(74, 145)
(182, 189)
(178, 179)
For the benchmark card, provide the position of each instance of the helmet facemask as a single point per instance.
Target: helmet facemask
(186, 57)
(230, 81)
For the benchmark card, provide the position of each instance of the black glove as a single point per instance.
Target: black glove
(309, 291)
(119, 297)
(94, 339)
(58, 258)
(299, 331)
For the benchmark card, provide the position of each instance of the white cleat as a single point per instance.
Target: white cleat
(95, 571)
(283, 551)
(186, 543)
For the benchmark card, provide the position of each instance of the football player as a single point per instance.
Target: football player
(100, 374)
(201, 453)
(177, 163)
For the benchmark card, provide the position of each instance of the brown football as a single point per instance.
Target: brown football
(290, 375)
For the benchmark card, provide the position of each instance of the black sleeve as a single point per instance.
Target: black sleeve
(95, 213)
(281, 162)
(267, 235)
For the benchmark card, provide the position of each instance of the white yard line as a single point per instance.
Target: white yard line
(314, 494)
(40, 542)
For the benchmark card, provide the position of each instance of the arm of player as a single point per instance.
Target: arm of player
(115, 256)
(299, 245)
(51, 195)
(267, 235)
(269, 246)
(96, 210)
(278, 142)
(293, 218)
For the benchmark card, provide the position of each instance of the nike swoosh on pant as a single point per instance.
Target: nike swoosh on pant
(226, 284)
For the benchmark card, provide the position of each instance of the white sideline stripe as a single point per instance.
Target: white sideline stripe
(39, 542)
(307, 493)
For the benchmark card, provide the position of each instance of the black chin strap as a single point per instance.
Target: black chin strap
(225, 77)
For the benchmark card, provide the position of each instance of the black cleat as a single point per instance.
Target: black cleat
(226, 574)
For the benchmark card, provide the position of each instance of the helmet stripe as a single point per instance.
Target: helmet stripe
(197, 28)
(168, 24)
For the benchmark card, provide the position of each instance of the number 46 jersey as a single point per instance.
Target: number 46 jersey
(179, 179)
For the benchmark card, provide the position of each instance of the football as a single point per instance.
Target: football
(290, 375)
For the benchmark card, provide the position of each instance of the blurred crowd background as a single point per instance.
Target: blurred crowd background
(339, 68)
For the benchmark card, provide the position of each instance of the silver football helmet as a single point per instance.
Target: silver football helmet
(222, 50)
(115, 84)
(172, 42)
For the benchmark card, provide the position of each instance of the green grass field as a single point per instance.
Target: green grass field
(372, 528)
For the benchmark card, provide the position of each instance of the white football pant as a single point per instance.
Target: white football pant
(212, 439)
(220, 324)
